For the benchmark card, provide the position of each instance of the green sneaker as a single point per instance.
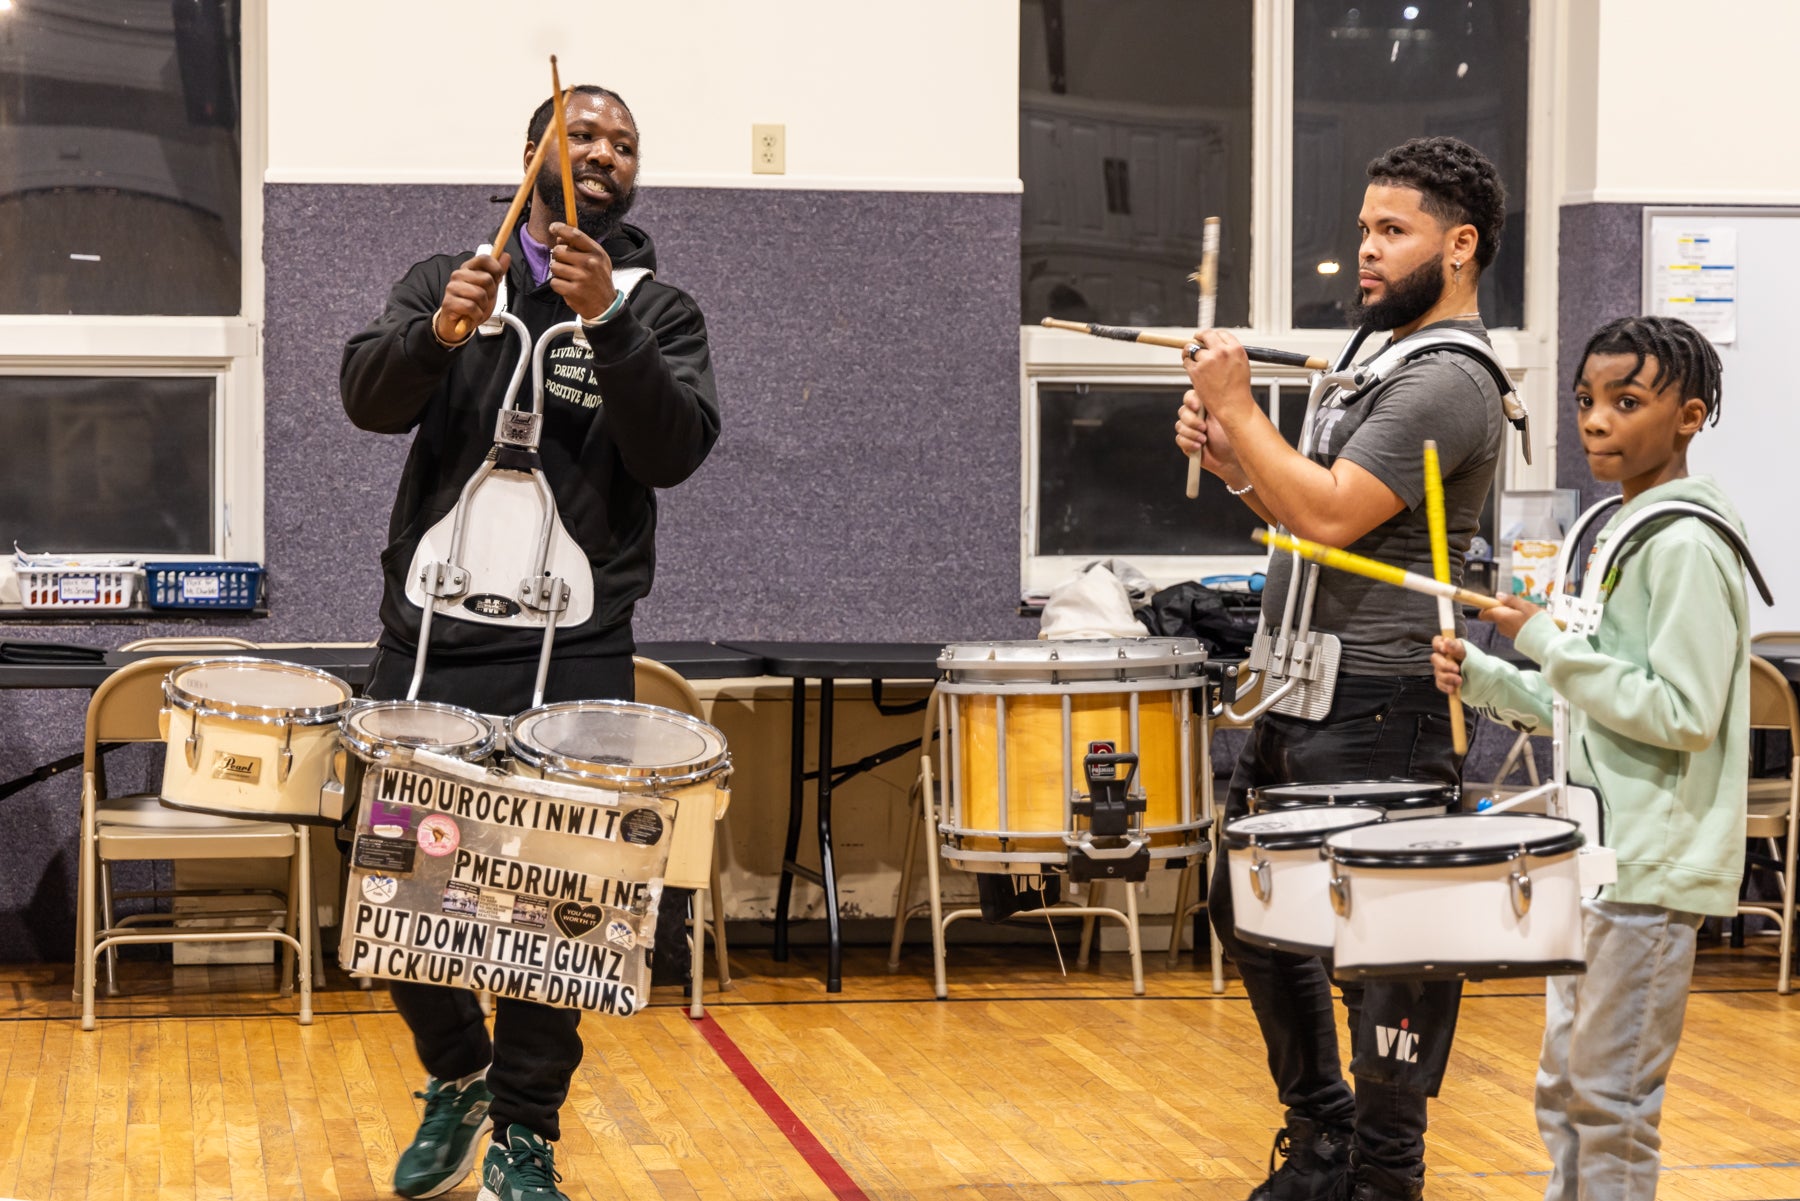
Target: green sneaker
(444, 1149)
(522, 1170)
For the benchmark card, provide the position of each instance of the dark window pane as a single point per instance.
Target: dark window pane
(120, 157)
(1111, 481)
(107, 464)
(1134, 127)
(1368, 76)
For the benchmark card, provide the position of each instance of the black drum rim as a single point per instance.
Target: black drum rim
(1297, 840)
(1547, 846)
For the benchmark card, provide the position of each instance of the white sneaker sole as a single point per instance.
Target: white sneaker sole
(477, 1147)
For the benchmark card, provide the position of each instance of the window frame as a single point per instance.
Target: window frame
(1529, 352)
(227, 348)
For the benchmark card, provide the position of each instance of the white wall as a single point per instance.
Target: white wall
(915, 96)
(1692, 102)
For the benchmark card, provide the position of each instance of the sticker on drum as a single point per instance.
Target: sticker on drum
(438, 835)
(379, 889)
(641, 827)
(1400, 798)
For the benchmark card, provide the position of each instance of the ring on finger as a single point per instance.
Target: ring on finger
(1191, 350)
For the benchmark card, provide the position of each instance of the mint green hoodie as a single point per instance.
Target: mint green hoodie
(1659, 701)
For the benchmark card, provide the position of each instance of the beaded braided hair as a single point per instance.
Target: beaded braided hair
(1682, 353)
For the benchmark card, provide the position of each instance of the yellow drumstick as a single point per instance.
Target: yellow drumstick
(1374, 569)
(1440, 567)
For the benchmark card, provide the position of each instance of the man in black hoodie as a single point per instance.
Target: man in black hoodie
(634, 413)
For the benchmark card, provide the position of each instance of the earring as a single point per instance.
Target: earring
(1456, 269)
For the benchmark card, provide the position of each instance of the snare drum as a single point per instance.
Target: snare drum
(374, 728)
(1016, 719)
(626, 747)
(1467, 895)
(1279, 882)
(1398, 798)
(252, 738)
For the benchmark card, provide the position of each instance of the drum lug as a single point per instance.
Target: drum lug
(193, 746)
(1521, 892)
(285, 762)
(1340, 895)
(1259, 879)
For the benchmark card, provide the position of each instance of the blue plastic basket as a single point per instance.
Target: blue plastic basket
(203, 585)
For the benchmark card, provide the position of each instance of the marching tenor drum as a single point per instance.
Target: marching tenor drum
(1017, 720)
(1397, 798)
(1279, 881)
(1468, 895)
(252, 738)
(623, 746)
(375, 728)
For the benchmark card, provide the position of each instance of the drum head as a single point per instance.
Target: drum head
(1388, 794)
(1454, 840)
(448, 729)
(1073, 659)
(618, 742)
(258, 689)
(1298, 827)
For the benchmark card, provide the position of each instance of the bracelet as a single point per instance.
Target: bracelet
(439, 337)
(1239, 491)
(612, 310)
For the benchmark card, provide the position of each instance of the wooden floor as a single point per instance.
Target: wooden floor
(1025, 1085)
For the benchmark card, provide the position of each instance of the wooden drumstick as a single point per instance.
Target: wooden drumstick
(1120, 333)
(1208, 278)
(562, 144)
(1436, 524)
(461, 329)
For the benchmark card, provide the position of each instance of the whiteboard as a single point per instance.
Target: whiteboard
(1754, 451)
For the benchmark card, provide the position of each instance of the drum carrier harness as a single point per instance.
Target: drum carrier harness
(1297, 665)
(449, 574)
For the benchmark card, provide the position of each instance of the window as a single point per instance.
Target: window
(1138, 119)
(130, 289)
(1126, 146)
(1367, 76)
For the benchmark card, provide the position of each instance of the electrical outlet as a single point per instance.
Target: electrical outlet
(768, 149)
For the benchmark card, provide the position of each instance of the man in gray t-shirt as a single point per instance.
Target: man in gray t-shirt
(1430, 224)
(1446, 396)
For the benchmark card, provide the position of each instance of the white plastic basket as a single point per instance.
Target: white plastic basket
(75, 586)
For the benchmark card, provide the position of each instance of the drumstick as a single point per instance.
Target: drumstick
(1373, 569)
(562, 144)
(1208, 278)
(1120, 333)
(461, 329)
(1440, 567)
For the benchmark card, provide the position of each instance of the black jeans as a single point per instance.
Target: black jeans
(535, 1048)
(1379, 727)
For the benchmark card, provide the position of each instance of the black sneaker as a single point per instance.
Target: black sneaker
(1365, 1183)
(1315, 1163)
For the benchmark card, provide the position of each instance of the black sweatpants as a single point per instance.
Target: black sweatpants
(1379, 727)
(535, 1048)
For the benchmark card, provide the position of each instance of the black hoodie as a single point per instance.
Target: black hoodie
(640, 415)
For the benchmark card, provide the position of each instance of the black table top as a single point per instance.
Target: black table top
(847, 660)
(693, 660)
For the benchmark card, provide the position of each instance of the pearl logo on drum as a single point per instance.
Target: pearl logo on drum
(239, 769)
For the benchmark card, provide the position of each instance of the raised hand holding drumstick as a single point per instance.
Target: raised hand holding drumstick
(462, 309)
(1208, 277)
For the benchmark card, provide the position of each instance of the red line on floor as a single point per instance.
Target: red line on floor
(804, 1140)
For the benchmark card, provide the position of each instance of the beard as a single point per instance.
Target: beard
(597, 221)
(1408, 299)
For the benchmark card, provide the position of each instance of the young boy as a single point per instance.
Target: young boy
(1658, 725)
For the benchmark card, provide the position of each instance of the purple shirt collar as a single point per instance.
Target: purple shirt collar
(537, 257)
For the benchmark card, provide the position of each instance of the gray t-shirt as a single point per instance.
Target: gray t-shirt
(1446, 396)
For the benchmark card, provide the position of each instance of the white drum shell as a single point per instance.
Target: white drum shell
(211, 787)
(1446, 922)
(1294, 912)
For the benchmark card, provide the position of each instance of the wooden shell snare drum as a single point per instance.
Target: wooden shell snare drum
(1468, 895)
(1016, 720)
(623, 746)
(252, 738)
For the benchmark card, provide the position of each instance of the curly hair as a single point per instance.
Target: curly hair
(540, 120)
(1458, 184)
(1682, 353)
